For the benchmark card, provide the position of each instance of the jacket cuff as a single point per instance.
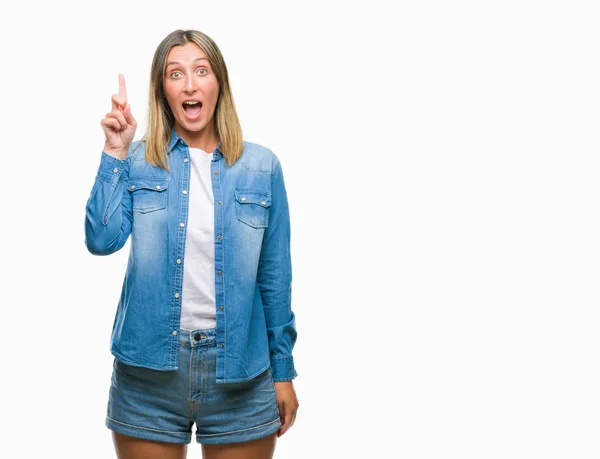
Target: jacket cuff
(282, 368)
(110, 168)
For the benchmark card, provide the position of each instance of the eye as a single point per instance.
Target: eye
(204, 70)
(174, 73)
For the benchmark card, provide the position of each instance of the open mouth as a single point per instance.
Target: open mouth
(192, 109)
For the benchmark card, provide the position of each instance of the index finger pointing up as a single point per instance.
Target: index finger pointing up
(122, 89)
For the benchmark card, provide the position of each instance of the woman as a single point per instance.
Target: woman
(204, 329)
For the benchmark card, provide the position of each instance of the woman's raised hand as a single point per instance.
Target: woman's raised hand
(119, 124)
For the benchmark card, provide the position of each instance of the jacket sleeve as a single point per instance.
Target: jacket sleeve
(108, 212)
(275, 281)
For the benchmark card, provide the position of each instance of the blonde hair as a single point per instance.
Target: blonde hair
(160, 116)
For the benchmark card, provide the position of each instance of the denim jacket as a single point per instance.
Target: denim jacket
(255, 325)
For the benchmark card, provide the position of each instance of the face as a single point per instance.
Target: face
(189, 77)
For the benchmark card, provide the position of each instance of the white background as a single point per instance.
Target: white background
(441, 161)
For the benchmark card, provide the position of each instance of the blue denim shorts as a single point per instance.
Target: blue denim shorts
(164, 405)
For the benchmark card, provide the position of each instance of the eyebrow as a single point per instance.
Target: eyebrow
(175, 62)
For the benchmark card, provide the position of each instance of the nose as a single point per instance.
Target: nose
(190, 85)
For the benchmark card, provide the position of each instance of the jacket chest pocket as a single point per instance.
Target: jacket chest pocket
(148, 194)
(252, 206)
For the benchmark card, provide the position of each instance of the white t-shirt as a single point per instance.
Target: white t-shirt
(198, 307)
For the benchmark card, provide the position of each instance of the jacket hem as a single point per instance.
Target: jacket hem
(144, 365)
(248, 378)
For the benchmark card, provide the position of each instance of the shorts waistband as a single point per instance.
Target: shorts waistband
(197, 337)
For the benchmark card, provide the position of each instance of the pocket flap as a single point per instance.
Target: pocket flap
(253, 196)
(156, 184)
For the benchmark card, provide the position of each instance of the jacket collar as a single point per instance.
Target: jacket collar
(175, 138)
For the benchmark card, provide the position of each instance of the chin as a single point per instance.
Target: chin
(190, 126)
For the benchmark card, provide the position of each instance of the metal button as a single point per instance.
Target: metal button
(220, 273)
(222, 345)
(264, 203)
(184, 191)
(197, 336)
(219, 237)
(158, 187)
(174, 332)
(115, 170)
(132, 187)
(220, 308)
(218, 202)
(181, 224)
(243, 199)
(177, 295)
(179, 261)
(216, 172)
(185, 160)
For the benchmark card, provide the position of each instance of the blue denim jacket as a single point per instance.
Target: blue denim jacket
(255, 325)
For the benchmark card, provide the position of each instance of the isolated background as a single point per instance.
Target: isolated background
(441, 160)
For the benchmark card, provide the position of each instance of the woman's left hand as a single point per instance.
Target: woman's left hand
(288, 405)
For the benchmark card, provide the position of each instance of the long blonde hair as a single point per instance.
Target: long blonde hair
(160, 116)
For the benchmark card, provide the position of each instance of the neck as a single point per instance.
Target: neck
(205, 139)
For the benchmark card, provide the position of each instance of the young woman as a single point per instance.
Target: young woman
(204, 329)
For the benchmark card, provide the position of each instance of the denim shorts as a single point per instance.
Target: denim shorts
(164, 405)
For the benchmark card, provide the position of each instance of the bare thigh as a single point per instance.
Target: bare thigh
(261, 448)
(128, 447)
